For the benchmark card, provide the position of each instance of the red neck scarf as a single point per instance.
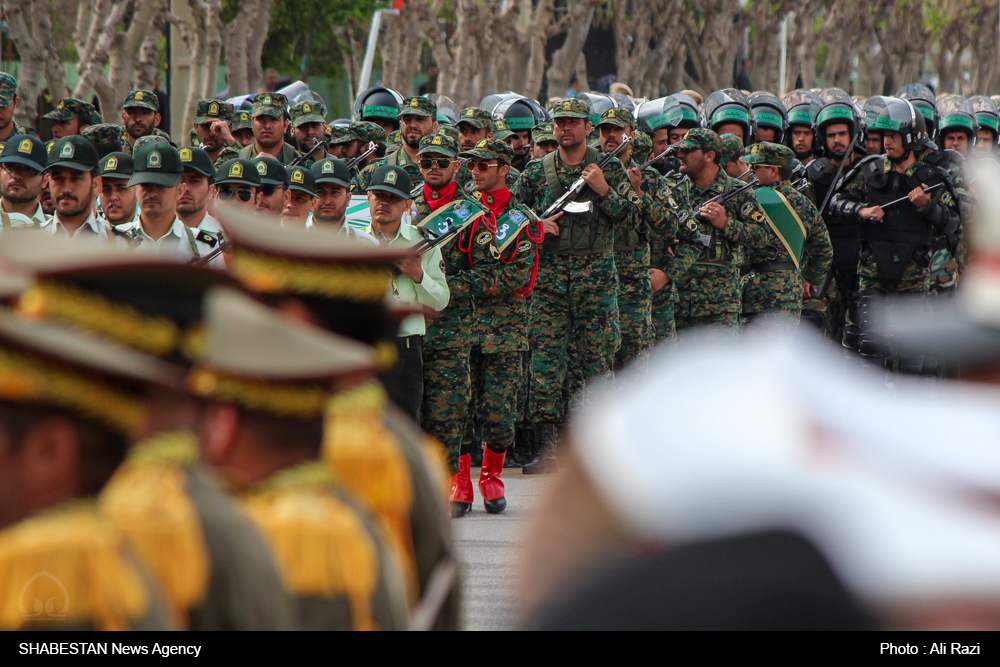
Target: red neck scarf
(496, 201)
(437, 198)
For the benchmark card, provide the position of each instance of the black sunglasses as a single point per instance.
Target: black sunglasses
(442, 162)
(268, 190)
(226, 193)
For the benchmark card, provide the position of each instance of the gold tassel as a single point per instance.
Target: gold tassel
(367, 460)
(320, 544)
(64, 568)
(147, 502)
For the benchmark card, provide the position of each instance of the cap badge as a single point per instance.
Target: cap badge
(213, 109)
(67, 150)
(48, 148)
(306, 108)
(414, 102)
(138, 96)
(266, 101)
(244, 115)
(24, 146)
(390, 178)
(327, 167)
(154, 160)
(62, 104)
(297, 176)
(111, 164)
(261, 168)
(436, 140)
(236, 170)
(482, 143)
(186, 155)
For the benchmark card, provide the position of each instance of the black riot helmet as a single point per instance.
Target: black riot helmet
(987, 117)
(729, 106)
(378, 104)
(599, 103)
(658, 114)
(689, 111)
(921, 97)
(768, 111)
(803, 106)
(956, 114)
(624, 101)
(519, 112)
(837, 107)
(898, 115)
(447, 110)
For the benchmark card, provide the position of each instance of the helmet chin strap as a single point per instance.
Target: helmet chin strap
(904, 158)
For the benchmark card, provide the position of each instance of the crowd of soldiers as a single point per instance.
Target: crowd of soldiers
(229, 375)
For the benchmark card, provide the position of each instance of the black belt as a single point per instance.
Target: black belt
(770, 267)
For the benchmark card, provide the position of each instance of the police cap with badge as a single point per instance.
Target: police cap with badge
(26, 151)
(156, 163)
(238, 172)
(117, 165)
(196, 159)
(272, 173)
(72, 152)
(331, 170)
(392, 179)
(301, 179)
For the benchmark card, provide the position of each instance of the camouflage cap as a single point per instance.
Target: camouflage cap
(571, 108)
(8, 89)
(274, 105)
(395, 139)
(617, 117)
(438, 143)
(641, 147)
(339, 135)
(148, 139)
(768, 154)
(700, 138)
(307, 112)
(209, 110)
(449, 131)
(501, 130)
(105, 133)
(418, 106)
(476, 117)
(732, 148)
(143, 99)
(70, 108)
(240, 121)
(543, 132)
(367, 131)
(491, 149)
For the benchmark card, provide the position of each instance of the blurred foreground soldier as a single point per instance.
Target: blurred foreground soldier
(988, 124)
(416, 121)
(707, 275)
(74, 184)
(799, 250)
(373, 449)
(333, 194)
(264, 383)
(270, 195)
(118, 198)
(300, 196)
(214, 568)
(22, 162)
(241, 127)
(420, 283)
(211, 124)
(58, 450)
(71, 117)
(8, 105)
(309, 125)
(237, 183)
(140, 117)
(845, 538)
(574, 305)
(270, 122)
(107, 138)
(896, 241)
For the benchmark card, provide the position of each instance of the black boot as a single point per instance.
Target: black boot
(476, 451)
(545, 460)
(524, 447)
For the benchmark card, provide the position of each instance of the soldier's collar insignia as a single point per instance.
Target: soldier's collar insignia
(186, 155)
(24, 146)
(236, 170)
(153, 160)
(489, 199)
(111, 164)
(297, 176)
(261, 168)
(67, 150)
(435, 194)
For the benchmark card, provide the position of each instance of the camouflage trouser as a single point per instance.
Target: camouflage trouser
(496, 384)
(447, 386)
(635, 319)
(585, 321)
(724, 321)
(772, 292)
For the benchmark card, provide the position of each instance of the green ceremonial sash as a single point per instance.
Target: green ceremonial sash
(451, 219)
(508, 226)
(784, 222)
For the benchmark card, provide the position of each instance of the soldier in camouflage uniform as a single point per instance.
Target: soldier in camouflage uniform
(270, 122)
(497, 367)
(776, 286)
(707, 275)
(8, 105)
(418, 119)
(211, 127)
(309, 126)
(70, 117)
(474, 125)
(543, 140)
(730, 154)
(140, 117)
(367, 133)
(107, 138)
(341, 143)
(241, 127)
(574, 301)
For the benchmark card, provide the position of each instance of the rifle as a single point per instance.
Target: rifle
(732, 194)
(840, 171)
(670, 149)
(419, 187)
(302, 159)
(355, 161)
(579, 185)
(907, 197)
(204, 261)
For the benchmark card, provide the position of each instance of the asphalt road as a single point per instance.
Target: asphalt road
(489, 549)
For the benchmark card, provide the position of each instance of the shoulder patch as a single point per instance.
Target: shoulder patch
(207, 238)
(757, 216)
(946, 198)
(524, 246)
(484, 238)
(747, 208)
(623, 188)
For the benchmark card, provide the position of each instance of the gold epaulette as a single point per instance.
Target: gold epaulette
(320, 543)
(366, 460)
(147, 502)
(65, 568)
(354, 282)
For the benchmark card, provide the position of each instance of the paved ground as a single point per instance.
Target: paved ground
(488, 547)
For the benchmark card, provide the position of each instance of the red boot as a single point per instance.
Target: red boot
(491, 483)
(461, 487)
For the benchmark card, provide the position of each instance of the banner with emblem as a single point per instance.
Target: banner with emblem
(451, 219)
(509, 226)
(784, 221)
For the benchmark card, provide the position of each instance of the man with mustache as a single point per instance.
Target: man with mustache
(117, 200)
(156, 175)
(140, 117)
(309, 125)
(74, 183)
(71, 116)
(194, 193)
(8, 105)
(474, 125)
(270, 196)
(270, 122)
(299, 198)
(417, 119)
(333, 194)
(22, 162)
(211, 126)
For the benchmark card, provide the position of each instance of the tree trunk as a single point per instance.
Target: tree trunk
(31, 28)
(148, 62)
(235, 37)
(255, 45)
(563, 65)
(93, 38)
(213, 49)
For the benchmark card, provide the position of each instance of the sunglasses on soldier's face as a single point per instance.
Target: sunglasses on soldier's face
(226, 193)
(483, 166)
(441, 162)
(268, 190)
